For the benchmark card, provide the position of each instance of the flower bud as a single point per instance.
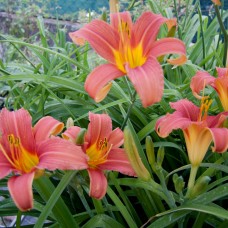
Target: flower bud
(160, 155)
(80, 137)
(133, 156)
(150, 152)
(69, 123)
(178, 183)
(200, 186)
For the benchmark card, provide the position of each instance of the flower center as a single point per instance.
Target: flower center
(98, 153)
(127, 54)
(21, 159)
(205, 105)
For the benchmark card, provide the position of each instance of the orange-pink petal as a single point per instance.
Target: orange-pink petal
(118, 161)
(117, 18)
(99, 78)
(116, 138)
(145, 30)
(186, 113)
(166, 46)
(199, 81)
(18, 123)
(222, 72)
(100, 127)
(220, 139)
(98, 183)
(71, 133)
(101, 36)
(20, 188)
(46, 127)
(57, 153)
(6, 167)
(198, 140)
(148, 81)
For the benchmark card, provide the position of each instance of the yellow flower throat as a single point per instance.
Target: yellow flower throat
(98, 153)
(21, 159)
(127, 54)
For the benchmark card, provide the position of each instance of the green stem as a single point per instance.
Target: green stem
(223, 29)
(169, 198)
(133, 98)
(191, 181)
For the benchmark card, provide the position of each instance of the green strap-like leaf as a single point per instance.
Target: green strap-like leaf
(54, 203)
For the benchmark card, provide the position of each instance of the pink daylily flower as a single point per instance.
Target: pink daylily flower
(220, 84)
(101, 144)
(217, 2)
(132, 50)
(199, 129)
(26, 152)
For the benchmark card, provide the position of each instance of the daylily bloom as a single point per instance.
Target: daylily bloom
(132, 50)
(220, 84)
(217, 2)
(101, 145)
(199, 128)
(26, 151)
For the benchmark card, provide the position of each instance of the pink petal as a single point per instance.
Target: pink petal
(101, 36)
(166, 46)
(71, 133)
(220, 138)
(221, 86)
(186, 108)
(46, 127)
(5, 166)
(216, 121)
(116, 138)
(5, 169)
(186, 113)
(98, 183)
(99, 78)
(148, 81)
(117, 161)
(199, 81)
(100, 127)
(117, 18)
(145, 30)
(18, 123)
(222, 72)
(20, 188)
(57, 153)
(198, 140)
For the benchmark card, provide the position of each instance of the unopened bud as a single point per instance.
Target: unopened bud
(80, 137)
(150, 152)
(178, 183)
(133, 156)
(104, 16)
(69, 123)
(200, 186)
(160, 155)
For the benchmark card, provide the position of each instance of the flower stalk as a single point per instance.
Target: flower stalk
(191, 181)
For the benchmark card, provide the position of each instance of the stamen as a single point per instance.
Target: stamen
(204, 107)
(18, 156)
(98, 153)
